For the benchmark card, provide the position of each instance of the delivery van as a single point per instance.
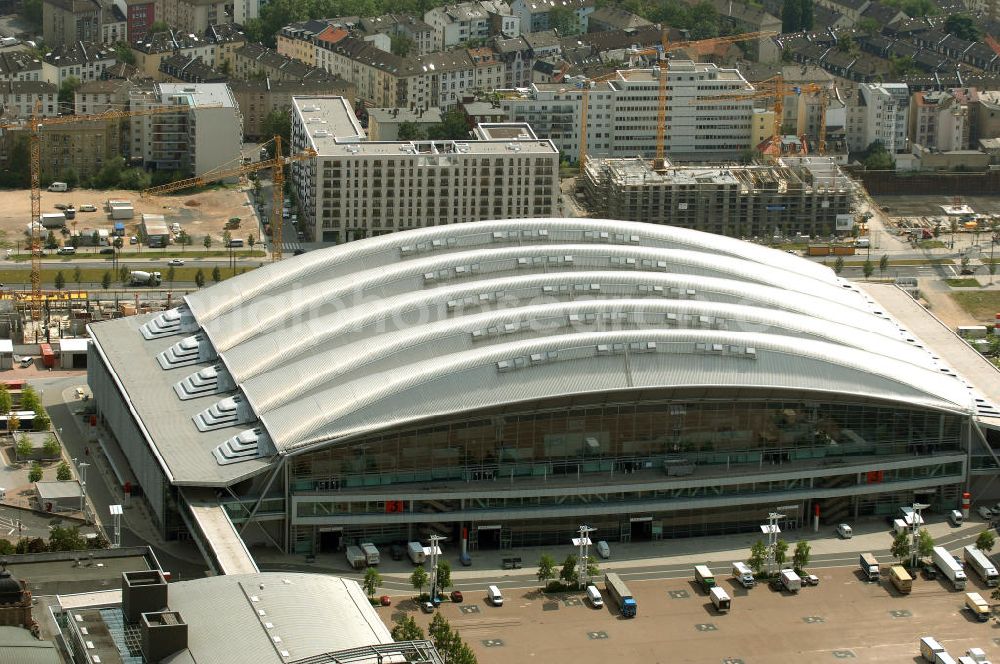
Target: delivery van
(494, 595)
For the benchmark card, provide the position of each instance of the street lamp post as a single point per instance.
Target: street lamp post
(81, 467)
(914, 532)
(583, 544)
(435, 551)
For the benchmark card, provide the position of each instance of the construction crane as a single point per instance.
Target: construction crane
(275, 163)
(34, 126)
(768, 88)
(820, 93)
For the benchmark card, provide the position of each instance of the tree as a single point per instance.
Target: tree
(158, 26)
(444, 575)
(106, 280)
(216, 274)
(986, 541)
(29, 399)
(901, 547)
(251, 241)
(569, 573)
(5, 400)
(227, 238)
(868, 268)
(407, 629)
(372, 581)
(23, 447)
(32, 12)
(806, 20)
(60, 280)
(758, 556)
(50, 241)
(925, 543)
(277, 123)
(199, 278)
(13, 423)
(452, 127)
(51, 446)
(35, 474)
(63, 472)
(838, 265)
(546, 569)
(123, 274)
(77, 275)
(401, 45)
(791, 16)
(883, 264)
(962, 26)
(440, 632)
(66, 539)
(410, 131)
(780, 552)
(67, 93)
(419, 579)
(563, 20)
(207, 241)
(124, 54)
(42, 420)
(800, 559)
(171, 275)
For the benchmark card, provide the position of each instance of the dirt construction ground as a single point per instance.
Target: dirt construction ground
(199, 214)
(842, 618)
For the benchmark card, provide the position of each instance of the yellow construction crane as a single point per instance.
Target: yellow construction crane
(275, 163)
(34, 126)
(773, 87)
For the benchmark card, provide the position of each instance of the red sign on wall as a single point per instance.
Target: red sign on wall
(395, 506)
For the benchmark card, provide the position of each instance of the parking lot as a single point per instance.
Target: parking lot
(842, 618)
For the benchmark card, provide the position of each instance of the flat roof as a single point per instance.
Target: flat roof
(70, 345)
(6, 346)
(57, 490)
(200, 94)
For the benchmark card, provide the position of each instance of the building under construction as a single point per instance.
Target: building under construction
(795, 196)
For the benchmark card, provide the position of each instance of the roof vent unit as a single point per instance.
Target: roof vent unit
(174, 321)
(244, 446)
(207, 381)
(164, 633)
(187, 351)
(225, 413)
(323, 133)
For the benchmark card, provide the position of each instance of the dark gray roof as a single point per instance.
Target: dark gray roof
(79, 53)
(18, 646)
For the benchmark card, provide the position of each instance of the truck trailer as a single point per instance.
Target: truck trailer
(720, 599)
(415, 550)
(869, 566)
(979, 606)
(356, 557)
(620, 593)
(901, 579)
(371, 553)
(790, 581)
(951, 569)
(704, 577)
(978, 561)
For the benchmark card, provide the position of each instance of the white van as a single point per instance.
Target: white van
(58, 186)
(845, 531)
(956, 517)
(494, 595)
(594, 595)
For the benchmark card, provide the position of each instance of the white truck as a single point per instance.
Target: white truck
(720, 599)
(949, 567)
(929, 648)
(979, 607)
(416, 552)
(53, 219)
(371, 553)
(356, 557)
(743, 574)
(978, 561)
(869, 566)
(141, 278)
(790, 581)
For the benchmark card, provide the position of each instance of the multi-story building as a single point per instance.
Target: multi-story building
(938, 121)
(488, 69)
(99, 96)
(20, 66)
(139, 17)
(296, 40)
(739, 16)
(984, 113)
(610, 17)
(206, 133)
(194, 16)
(18, 98)
(796, 196)
(373, 72)
(441, 79)
(421, 35)
(357, 188)
(216, 47)
(384, 123)
(258, 61)
(114, 25)
(185, 69)
(622, 113)
(536, 15)
(259, 98)
(65, 22)
(516, 56)
(82, 61)
(455, 25)
(880, 114)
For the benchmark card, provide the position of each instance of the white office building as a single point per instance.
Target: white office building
(622, 113)
(356, 188)
(205, 134)
(881, 114)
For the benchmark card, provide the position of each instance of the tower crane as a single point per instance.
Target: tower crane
(34, 125)
(773, 87)
(276, 164)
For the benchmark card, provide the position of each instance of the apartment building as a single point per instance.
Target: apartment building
(938, 121)
(517, 59)
(194, 16)
(420, 33)
(83, 61)
(20, 66)
(296, 40)
(258, 61)
(180, 68)
(622, 113)
(18, 98)
(114, 25)
(205, 134)
(455, 25)
(139, 17)
(99, 96)
(259, 98)
(216, 46)
(797, 195)
(373, 72)
(384, 123)
(357, 188)
(880, 113)
(65, 22)
(535, 15)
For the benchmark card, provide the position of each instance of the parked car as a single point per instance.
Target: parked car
(603, 550)
(456, 596)
(175, 262)
(26, 361)
(88, 207)
(810, 580)
(385, 600)
(108, 250)
(844, 531)
(930, 572)
(60, 206)
(427, 607)
(985, 512)
(133, 240)
(396, 551)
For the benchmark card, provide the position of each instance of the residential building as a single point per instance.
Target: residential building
(259, 98)
(114, 25)
(455, 25)
(216, 47)
(738, 16)
(296, 40)
(488, 70)
(384, 123)
(610, 17)
(622, 113)
(938, 121)
(65, 22)
(881, 114)
(505, 171)
(84, 147)
(796, 196)
(442, 79)
(257, 61)
(194, 16)
(421, 35)
(850, 9)
(20, 66)
(139, 18)
(516, 56)
(18, 98)
(99, 96)
(373, 72)
(82, 61)
(984, 112)
(205, 134)
(535, 15)
(183, 68)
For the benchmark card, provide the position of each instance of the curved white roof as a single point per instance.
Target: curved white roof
(350, 340)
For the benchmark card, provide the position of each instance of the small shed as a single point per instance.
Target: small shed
(58, 496)
(73, 353)
(6, 354)
(154, 226)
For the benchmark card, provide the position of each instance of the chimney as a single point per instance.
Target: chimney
(142, 592)
(163, 634)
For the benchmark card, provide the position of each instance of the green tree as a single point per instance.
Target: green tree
(5, 400)
(63, 472)
(124, 54)
(806, 20)
(563, 20)
(838, 265)
(780, 552)
(410, 131)
(29, 398)
(986, 541)
(135, 178)
(51, 446)
(227, 238)
(67, 93)
(207, 241)
(13, 423)
(251, 241)
(800, 558)
(443, 575)
(42, 420)
(106, 280)
(925, 543)
(407, 629)
(401, 45)
(869, 25)
(453, 126)
(962, 26)
(569, 573)
(6, 548)
(66, 539)
(440, 633)
(883, 264)
(216, 274)
(791, 16)
(419, 579)
(124, 274)
(868, 268)
(35, 474)
(546, 569)
(199, 278)
(50, 241)
(32, 12)
(758, 556)
(77, 275)
(23, 447)
(901, 547)
(158, 26)
(278, 123)
(60, 280)
(372, 581)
